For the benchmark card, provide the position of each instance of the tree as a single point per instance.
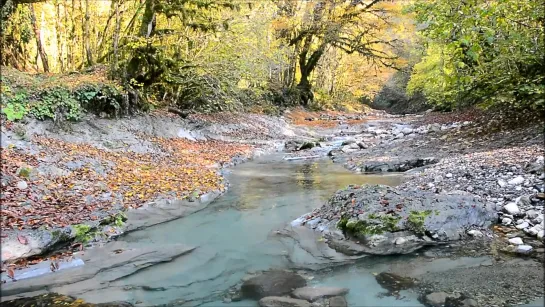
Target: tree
(481, 52)
(39, 45)
(350, 26)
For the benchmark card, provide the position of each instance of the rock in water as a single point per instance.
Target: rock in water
(279, 301)
(375, 216)
(393, 282)
(272, 283)
(312, 294)
(338, 301)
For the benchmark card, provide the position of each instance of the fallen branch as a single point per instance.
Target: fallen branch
(183, 114)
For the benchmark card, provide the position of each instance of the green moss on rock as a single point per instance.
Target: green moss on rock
(416, 219)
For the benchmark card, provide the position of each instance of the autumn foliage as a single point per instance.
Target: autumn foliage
(91, 183)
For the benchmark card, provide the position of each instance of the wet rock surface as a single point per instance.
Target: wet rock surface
(394, 283)
(103, 265)
(54, 299)
(272, 283)
(279, 301)
(312, 294)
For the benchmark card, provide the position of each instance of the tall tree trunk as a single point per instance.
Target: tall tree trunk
(59, 36)
(148, 20)
(87, 35)
(40, 47)
(71, 46)
(116, 35)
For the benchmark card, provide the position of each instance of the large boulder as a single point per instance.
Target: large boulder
(384, 220)
(272, 283)
(279, 301)
(312, 294)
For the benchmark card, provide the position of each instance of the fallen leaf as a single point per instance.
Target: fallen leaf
(11, 273)
(22, 239)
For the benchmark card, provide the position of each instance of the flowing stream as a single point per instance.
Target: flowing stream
(233, 235)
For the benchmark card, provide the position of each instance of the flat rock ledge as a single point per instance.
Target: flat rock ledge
(278, 288)
(380, 220)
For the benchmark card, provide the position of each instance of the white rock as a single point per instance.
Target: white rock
(538, 219)
(516, 180)
(533, 231)
(519, 222)
(400, 241)
(475, 233)
(449, 175)
(523, 249)
(399, 135)
(532, 214)
(512, 209)
(540, 235)
(516, 241)
(506, 221)
(406, 130)
(502, 183)
(523, 225)
(438, 178)
(22, 185)
(469, 189)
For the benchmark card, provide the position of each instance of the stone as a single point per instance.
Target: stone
(393, 282)
(523, 249)
(312, 294)
(338, 301)
(517, 180)
(511, 208)
(534, 230)
(406, 130)
(354, 146)
(506, 221)
(272, 283)
(436, 298)
(362, 145)
(348, 142)
(540, 235)
(22, 185)
(516, 241)
(278, 301)
(502, 183)
(531, 214)
(475, 233)
(523, 225)
(449, 175)
(539, 219)
(399, 135)
(400, 241)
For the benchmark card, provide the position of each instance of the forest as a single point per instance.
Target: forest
(235, 55)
